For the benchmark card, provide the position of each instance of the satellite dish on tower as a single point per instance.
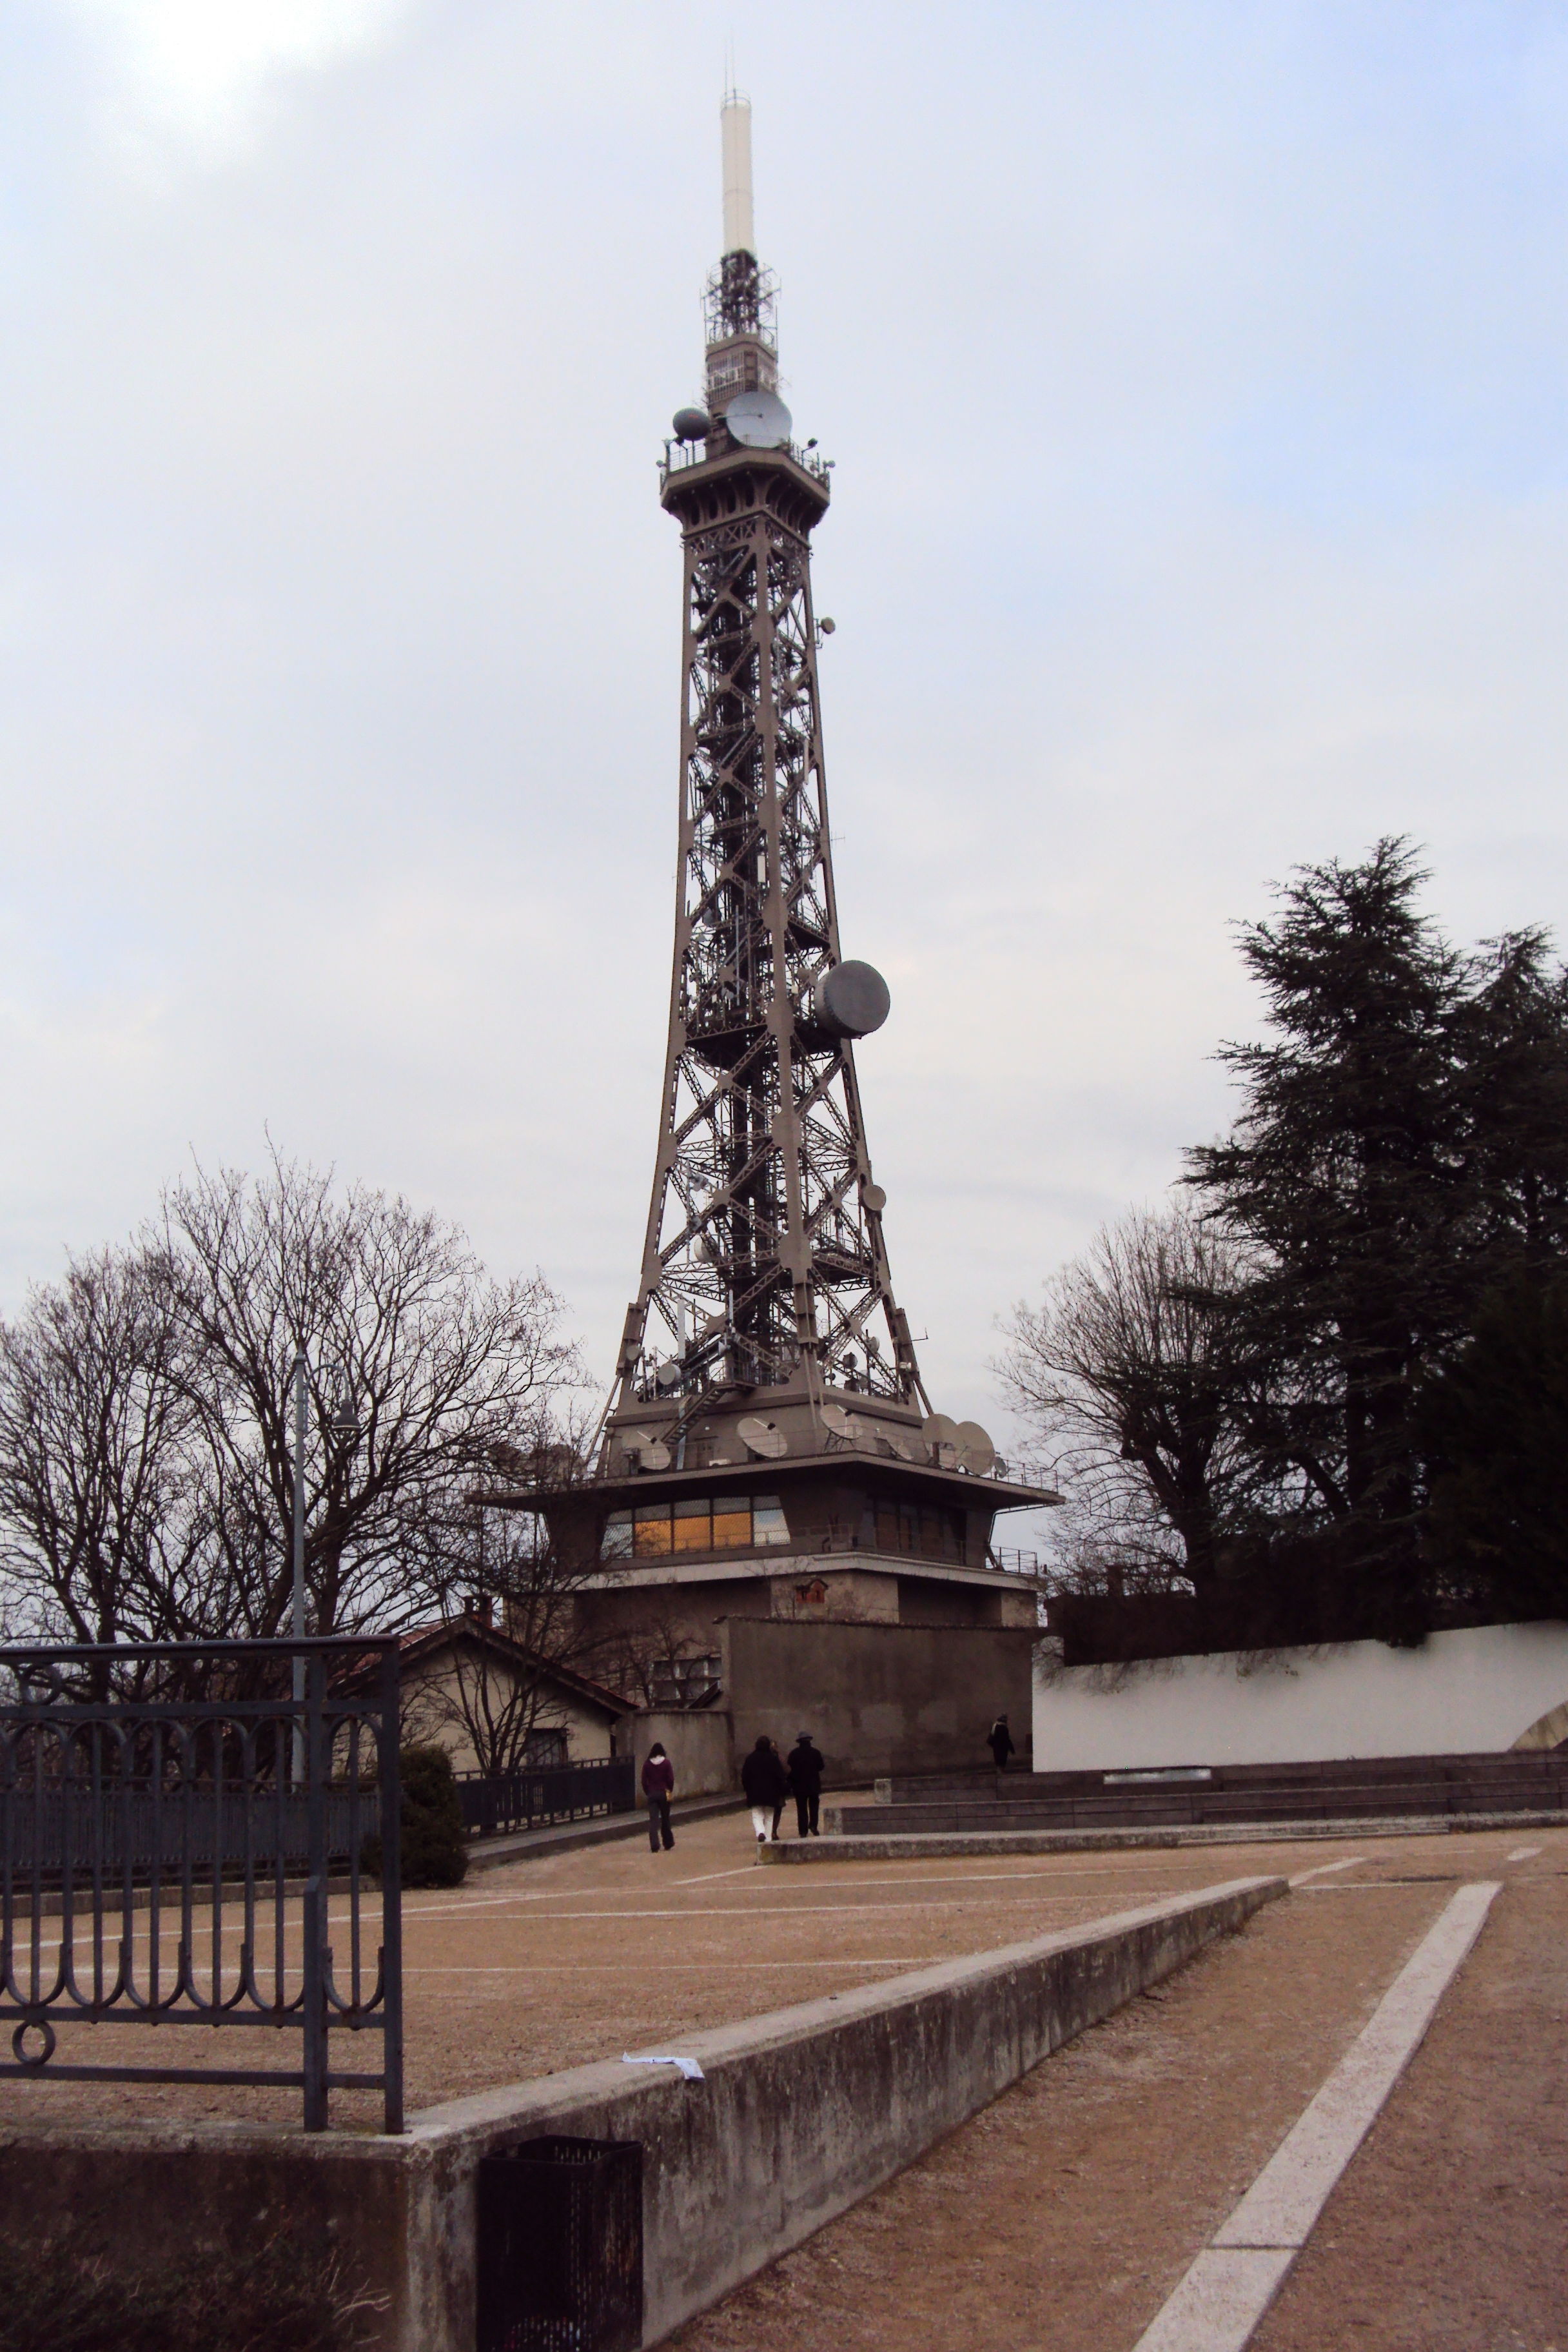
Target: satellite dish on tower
(975, 1452)
(834, 1418)
(763, 1437)
(693, 424)
(758, 420)
(850, 1000)
(940, 1429)
(649, 1452)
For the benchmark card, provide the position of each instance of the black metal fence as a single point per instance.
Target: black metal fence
(537, 1794)
(168, 1859)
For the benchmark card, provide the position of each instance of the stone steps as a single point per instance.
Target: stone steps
(1356, 1789)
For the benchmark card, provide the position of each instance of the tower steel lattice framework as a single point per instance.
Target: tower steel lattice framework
(765, 1261)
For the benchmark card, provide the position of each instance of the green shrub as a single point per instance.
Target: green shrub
(269, 2298)
(435, 1851)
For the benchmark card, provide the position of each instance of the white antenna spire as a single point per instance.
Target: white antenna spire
(735, 124)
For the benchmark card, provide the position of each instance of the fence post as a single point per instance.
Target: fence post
(389, 1733)
(314, 1990)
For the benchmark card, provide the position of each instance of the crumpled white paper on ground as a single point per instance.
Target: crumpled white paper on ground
(689, 2066)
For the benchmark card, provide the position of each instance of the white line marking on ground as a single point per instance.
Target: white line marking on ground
(809, 1910)
(292, 1925)
(1325, 1868)
(678, 1967)
(1220, 2300)
(1225, 2294)
(1524, 1853)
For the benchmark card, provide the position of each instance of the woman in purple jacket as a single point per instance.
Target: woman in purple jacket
(658, 1788)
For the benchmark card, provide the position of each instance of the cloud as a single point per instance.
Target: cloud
(197, 68)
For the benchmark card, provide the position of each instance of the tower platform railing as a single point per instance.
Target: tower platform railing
(679, 456)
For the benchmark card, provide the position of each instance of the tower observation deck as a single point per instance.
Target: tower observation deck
(765, 1344)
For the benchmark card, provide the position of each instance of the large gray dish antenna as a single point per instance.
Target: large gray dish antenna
(762, 1437)
(975, 1452)
(759, 420)
(850, 1001)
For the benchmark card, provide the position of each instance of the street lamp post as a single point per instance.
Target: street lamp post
(301, 1376)
(343, 1428)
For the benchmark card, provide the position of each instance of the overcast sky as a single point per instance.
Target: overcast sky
(1195, 380)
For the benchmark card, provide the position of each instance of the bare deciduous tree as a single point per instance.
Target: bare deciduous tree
(146, 1423)
(1127, 1381)
(101, 1535)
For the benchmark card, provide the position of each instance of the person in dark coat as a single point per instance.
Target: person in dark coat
(658, 1788)
(767, 1784)
(783, 1789)
(805, 1781)
(999, 1740)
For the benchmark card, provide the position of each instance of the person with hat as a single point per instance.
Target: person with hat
(804, 1769)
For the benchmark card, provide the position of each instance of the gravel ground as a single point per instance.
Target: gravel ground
(551, 1963)
(1062, 2217)
(1449, 2231)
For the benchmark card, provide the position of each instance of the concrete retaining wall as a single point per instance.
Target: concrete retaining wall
(801, 2114)
(1487, 1687)
(698, 1742)
(877, 1698)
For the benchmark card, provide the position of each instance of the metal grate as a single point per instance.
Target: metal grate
(560, 2246)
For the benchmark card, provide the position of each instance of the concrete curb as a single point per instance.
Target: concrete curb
(913, 1845)
(797, 2117)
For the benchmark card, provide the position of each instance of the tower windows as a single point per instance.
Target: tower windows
(694, 1523)
(933, 1531)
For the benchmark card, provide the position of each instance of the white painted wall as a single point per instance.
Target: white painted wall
(1461, 1693)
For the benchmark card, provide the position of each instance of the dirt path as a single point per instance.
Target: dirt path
(1450, 2230)
(551, 1963)
(1062, 2216)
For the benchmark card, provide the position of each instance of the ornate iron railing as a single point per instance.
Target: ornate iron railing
(170, 1822)
(538, 1794)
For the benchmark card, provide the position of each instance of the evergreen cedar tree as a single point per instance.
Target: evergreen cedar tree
(1494, 1423)
(1360, 1428)
(433, 1850)
(1401, 1166)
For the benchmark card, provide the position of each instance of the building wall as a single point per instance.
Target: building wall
(876, 1699)
(698, 1741)
(849, 1596)
(432, 1711)
(689, 1613)
(923, 1601)
(1483, 1689)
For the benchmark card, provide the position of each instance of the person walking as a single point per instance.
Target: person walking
(999, 1740)
(805, 1781)
(658, 1788)
(783, 1789)
(767, 1784)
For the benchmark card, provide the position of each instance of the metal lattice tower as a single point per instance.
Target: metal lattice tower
(764, 1264)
